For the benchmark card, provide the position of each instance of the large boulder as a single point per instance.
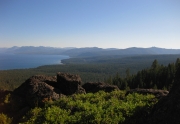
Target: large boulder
(69, 84)
(156, 92)
(91, 87)
(37, 89)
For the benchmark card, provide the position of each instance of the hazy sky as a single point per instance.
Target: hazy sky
(90, 23)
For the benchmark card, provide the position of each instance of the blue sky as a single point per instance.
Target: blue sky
(90, 23)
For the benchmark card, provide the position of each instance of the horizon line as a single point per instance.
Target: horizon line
(87, 47)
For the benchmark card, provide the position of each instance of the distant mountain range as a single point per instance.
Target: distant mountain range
(88, 51)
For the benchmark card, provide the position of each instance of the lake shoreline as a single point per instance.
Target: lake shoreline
(27, 61)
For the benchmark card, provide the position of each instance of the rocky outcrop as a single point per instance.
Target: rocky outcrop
(157, 93)
(95, 87)
(69, 84)
(37, 89)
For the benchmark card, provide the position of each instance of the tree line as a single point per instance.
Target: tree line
(156, 77)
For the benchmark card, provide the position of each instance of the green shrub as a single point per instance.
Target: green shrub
(7, 98)
(98, 108)
(4, 119)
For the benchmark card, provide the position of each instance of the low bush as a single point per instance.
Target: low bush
(98, 108)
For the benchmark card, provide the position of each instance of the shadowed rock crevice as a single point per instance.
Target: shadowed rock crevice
(97, 86)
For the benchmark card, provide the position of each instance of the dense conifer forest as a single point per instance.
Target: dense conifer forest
(156, 77)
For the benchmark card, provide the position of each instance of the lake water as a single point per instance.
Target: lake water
(21, 61)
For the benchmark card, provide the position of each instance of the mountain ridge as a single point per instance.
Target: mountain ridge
(88, 51)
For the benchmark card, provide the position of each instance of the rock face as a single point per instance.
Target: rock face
(157, 93)
(95, 87)
(37, 89)
(69, 84)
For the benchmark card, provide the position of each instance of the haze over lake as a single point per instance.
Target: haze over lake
(22, 61)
